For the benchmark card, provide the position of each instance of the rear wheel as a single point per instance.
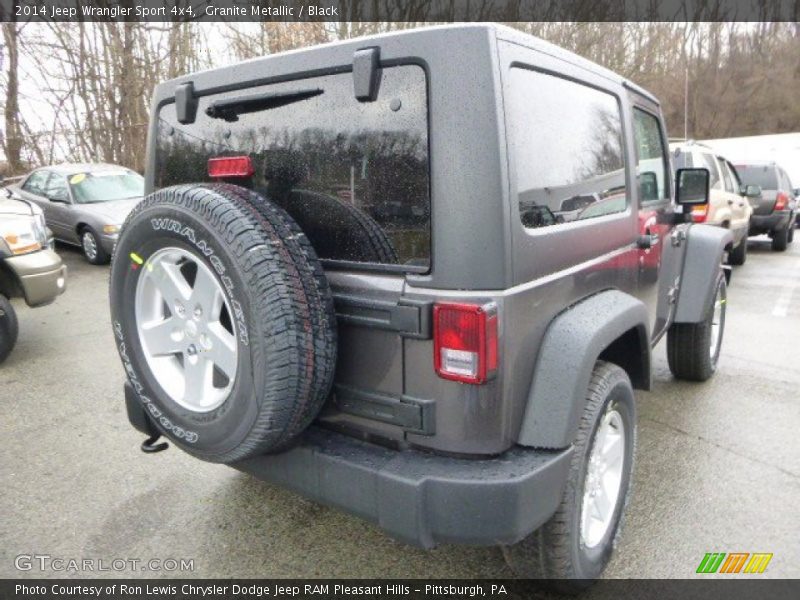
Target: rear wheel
(575, 545)
(93, 252)
(693, 348)
(224, 321)
(9, 328)
(739, 254)
(780, 239)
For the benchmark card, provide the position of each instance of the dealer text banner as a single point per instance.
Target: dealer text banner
(395, 589)
(395, 11)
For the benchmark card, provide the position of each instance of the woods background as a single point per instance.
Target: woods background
(81, 91)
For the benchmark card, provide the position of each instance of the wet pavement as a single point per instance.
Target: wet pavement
(718, 464)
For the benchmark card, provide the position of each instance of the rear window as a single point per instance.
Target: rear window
(354, 175)
(761, 175)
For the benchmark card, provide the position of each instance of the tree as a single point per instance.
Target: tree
(12, 140)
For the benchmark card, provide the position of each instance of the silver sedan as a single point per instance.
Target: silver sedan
(84, 204)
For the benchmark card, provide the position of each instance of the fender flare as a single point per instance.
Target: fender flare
(705, 246)
(571, 346)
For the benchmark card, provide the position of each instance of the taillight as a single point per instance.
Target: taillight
(699, 213)
(230, 166)
(781, 200)
(465, 341)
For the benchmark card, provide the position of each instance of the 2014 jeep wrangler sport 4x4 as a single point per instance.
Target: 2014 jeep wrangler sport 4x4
(418, 284)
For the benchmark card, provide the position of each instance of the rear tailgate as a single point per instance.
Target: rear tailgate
(374, 322)
(765, 203)
(765, 177)
(354, 175)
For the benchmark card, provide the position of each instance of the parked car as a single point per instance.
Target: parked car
(84, 204)
(28, 268)
(775, 210)
(729, 203)
(476, 386)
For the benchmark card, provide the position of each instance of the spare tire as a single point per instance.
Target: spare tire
(224, 320)
(338, 230)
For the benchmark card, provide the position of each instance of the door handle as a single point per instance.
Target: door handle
(647, 241)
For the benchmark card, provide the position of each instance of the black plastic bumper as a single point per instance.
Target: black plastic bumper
(419, 498)
(779, 219)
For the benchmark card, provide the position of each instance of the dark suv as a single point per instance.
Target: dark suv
(775, 210)
(418, 285)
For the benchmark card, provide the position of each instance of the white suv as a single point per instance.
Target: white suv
(728, 205)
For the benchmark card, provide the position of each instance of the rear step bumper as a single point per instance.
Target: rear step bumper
(778, 219)
(419, 498)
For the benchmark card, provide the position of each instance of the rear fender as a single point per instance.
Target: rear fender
(572, 344)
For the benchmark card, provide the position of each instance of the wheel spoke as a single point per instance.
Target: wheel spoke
(160, 337)
(171, 283)
(197, 374)
(223, 349)
(206, 293)
(613, 448)
(602, 502)
(600, 437)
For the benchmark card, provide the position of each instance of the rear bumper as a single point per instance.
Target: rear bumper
(416, 497)
(779, 219)
(41, 275)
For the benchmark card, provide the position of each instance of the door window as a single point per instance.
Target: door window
(652, 169)
(56, 188)
(734, 178)
(35, 184)
(710, 163)
(726, 176)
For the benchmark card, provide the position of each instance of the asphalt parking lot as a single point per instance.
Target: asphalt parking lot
(718, 463)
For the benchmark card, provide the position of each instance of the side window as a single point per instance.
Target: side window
(567, 142)
(726, 176)
(787, 184)
(56, 188)
(35, 184)
(710, 163)
(652, 171)
(737, 183)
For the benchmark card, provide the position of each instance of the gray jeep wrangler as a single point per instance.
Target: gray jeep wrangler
(419, 285)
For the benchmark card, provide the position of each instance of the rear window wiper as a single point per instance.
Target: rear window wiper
(229, 110)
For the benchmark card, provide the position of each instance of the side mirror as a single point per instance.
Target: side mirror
(751, 191)
(797, 192)
(692, 186)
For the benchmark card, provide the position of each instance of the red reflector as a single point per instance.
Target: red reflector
(465, 342)
(700, 213)
(230, 166)
(781, 200)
